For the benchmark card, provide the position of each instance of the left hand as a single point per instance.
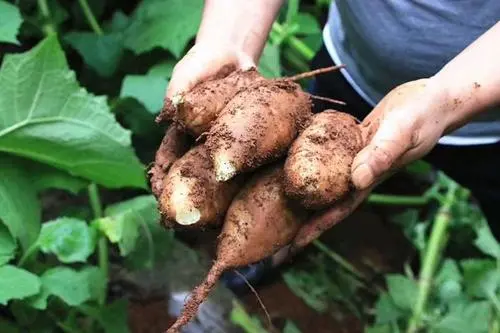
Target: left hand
(404, 126)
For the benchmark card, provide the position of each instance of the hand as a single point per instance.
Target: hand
(205, 60)
(403, 127)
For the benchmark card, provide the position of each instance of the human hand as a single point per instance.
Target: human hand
(403, 127)
(205, 60)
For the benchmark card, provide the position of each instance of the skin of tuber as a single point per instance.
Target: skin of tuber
(259, 221)
(191, 196)
(174, 144)
(196, 109)
(257, 126)
(318, 167)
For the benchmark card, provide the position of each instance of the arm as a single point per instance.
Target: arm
(472, 78)
(232, 35)
(409, 121)
(244, 24)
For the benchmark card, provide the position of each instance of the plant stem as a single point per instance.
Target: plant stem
(436, 244)
(402, 200)
(48, 27)
(92, 21)
(102, 245)
(339, 260)
(294, 42)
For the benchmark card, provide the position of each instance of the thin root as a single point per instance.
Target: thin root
(326, 99)
(315, 72)
(257, 296)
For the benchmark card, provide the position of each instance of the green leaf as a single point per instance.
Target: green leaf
(486, 242)
(10, 22)
(112, 317)
(69, 285)
(379, 329)
(166, 24)
(270, 64)
(304, 285)
(147, 89)
(49, 118)
(70, 239)
(240, 317)
(481, 277)
(386, 310)
(308, 24)
(163, 69)
(448, 281)
(17, 283)
(122, 230)
(96, 280)
(290, 327)
(21, 211)
(7, 246)
(45, 177)
(402, 290)
(471, 318)
(101, 52)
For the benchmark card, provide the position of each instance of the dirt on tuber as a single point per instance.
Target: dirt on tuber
(259, 222)
(318, 166)
(196, 109)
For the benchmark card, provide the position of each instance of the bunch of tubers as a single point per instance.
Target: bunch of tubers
(246, 154)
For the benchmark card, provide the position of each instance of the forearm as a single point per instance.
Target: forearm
(244, 24)
(471, 80)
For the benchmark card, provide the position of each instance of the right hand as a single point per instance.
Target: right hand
(205, 60)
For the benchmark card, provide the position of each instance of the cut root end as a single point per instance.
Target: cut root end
(187, 216)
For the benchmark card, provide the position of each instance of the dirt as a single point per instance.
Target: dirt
(150, 316)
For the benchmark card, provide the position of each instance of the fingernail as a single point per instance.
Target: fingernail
(362, 176)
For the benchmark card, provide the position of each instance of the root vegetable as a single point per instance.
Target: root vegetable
(258, 223)
(318, 166)
(257, 126)
(174, 144)
(196, 109)
(191, 196)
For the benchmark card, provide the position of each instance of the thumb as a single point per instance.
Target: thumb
(389, 143)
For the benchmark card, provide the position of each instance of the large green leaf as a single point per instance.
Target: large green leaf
(147, 89)
(45, 177)
(16, 283)
(112, 317)
(486, 242)
(19, 207)
(70, 239)
(101, 52)
(386, 310)
(481, 277)
(167, 24)
(7, 245)
(471, 318)
(10, 21)
(46, 116)
(402, 290)
(69, 285)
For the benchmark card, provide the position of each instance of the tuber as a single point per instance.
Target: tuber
(191, 195)
(257, 126)
(196, 109)
(318, 167)
(174, 144)
(259, 221)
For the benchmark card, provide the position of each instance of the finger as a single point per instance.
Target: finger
(392, 139)
(196, 67)
(327, 219)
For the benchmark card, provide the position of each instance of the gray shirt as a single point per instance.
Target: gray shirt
(385, 43)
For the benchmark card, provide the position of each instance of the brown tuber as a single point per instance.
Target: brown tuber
(318, 166)
(198, 108)
(258, 223)
(257, 126)
(191, 196)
